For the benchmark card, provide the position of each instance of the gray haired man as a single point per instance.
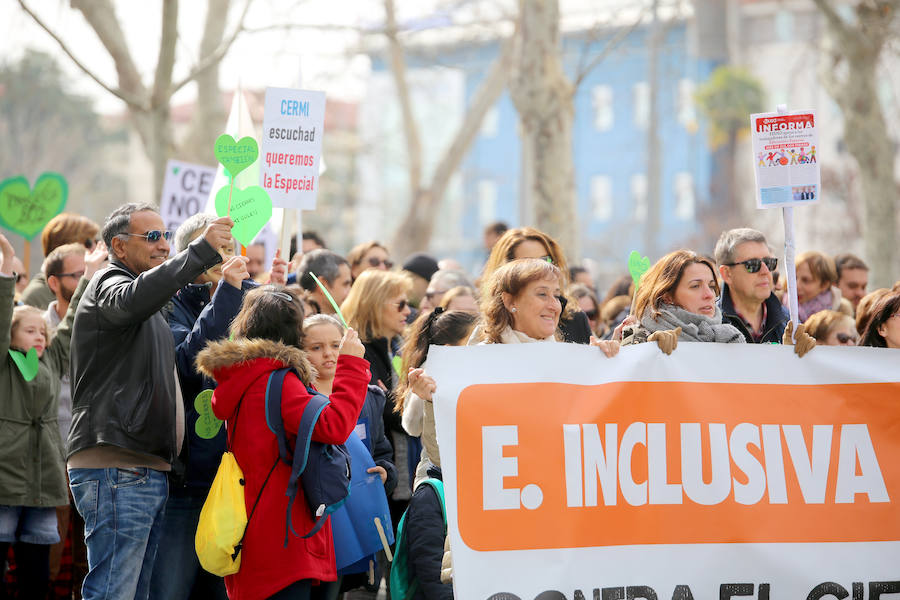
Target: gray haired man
(748, 301)
(332, 270)
(127, 418)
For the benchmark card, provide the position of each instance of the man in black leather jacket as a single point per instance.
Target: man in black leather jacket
(127, 417)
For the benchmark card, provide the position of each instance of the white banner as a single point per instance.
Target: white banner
(293, 126)
(185, 190)
(721, 471)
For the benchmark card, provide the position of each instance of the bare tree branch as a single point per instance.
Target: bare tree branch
(208, 61)
(101, 16)
(166, 62)
(838, 25)
(607, 50)
(482, 101)
(117, 92)
(410, 128)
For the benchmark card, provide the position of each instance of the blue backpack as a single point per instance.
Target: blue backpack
(323, 469)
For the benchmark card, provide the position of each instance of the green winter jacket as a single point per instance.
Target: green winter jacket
(32, 456)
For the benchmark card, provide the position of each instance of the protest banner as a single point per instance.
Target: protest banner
(185, 190)
(722, 470)
(293, 126)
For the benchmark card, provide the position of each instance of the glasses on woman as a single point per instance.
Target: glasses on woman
(374, 261)
(846, 338)
(753, 265)
(401, 305)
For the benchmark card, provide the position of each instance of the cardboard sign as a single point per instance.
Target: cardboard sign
(733, 467)
(184, 194)
(784, 153)
(24, 210)
(293, 126)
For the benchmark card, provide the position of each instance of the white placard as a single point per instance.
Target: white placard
(721, 471)
(784, 155)
(185, 191)
(293, 126)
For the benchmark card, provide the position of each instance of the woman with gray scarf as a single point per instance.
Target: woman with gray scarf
(676, 301)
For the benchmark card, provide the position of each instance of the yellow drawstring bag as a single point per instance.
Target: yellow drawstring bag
(223, 518)
(223, 521)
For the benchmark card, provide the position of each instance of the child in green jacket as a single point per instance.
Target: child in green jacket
(32, 463)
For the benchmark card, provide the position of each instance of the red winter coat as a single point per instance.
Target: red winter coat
(241, 368)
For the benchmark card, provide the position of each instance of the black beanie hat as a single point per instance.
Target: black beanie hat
(422, 265)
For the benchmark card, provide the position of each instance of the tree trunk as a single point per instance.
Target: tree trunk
(543, 96)
(209, 111)
(415, 231)
(851, 78)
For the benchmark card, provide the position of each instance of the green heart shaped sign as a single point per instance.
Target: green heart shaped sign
(251, 209)
(207, 425)
(24, 210)
(637, 266)
(28, 363)
(236, 156)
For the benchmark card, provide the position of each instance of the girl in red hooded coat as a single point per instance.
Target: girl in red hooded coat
(267, 335)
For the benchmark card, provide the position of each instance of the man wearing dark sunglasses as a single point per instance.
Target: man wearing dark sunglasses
(748, 300)
(127, 413)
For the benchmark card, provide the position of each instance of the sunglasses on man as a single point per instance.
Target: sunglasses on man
(153, 235)
(753, 265)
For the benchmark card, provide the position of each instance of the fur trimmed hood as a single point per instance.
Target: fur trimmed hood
(229, 353)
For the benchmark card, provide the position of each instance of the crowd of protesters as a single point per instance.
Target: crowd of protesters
(105, 466)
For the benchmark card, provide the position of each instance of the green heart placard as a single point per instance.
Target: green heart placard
(251, 209)
(28, 363)
(207, 425)
(236, 156)
(637, 266)
(24, 210)
(397, 362)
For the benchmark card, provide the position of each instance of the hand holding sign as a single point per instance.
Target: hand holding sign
(7, 254)
(219, 232)
(26, 211)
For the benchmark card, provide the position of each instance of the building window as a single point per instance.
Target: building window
(685, 199)
(687, 114)
(601, 198)
(641, 104)
(639, 196)
(602, 101)
(491, 123)
(487, 201)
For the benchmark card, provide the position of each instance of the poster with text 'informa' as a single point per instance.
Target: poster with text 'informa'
(784, 154)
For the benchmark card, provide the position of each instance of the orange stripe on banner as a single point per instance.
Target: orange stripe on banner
(546, 465)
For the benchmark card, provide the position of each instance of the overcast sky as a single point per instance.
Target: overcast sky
(325, 59)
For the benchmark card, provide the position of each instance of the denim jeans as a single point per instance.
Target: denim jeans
(177, 574)
(123, 513)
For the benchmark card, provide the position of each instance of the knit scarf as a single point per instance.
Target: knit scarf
(694, 327)
(823, 301)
